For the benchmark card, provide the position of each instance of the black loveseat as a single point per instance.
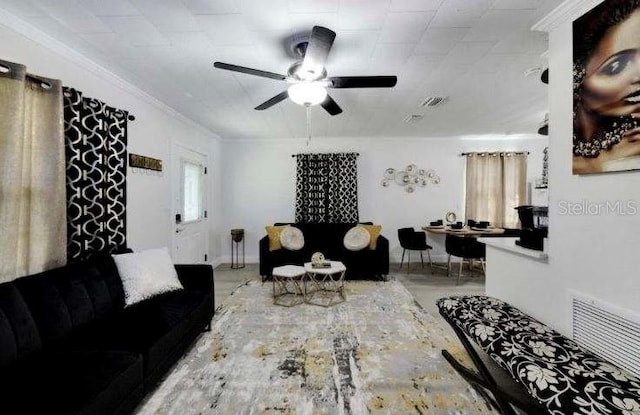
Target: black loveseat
(328, 239)
(68, 345)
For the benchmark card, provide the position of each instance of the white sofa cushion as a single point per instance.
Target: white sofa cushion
(292, 238)
(146, 274)
(357, 238)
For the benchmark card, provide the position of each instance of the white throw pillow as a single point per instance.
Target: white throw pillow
(357, 238)
(146, 274)
(292, 238)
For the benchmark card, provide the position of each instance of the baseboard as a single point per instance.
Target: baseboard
(226, 259)
(216, 262)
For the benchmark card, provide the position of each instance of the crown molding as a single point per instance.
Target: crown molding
(31, 32)
(565, 12)
(323, 140)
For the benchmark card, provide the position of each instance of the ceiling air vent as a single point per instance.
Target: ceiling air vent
(413, 118)
(433, 101)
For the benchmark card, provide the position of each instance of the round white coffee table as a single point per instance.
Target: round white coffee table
(324, 286)
(288, 284)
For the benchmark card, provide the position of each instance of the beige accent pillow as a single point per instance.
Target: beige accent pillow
(291, 238)
(374, 231)
(356, 238)
(274, 236)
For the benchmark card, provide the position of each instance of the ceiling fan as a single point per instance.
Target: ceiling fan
(308, 76)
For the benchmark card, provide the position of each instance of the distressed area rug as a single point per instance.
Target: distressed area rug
(378, 353)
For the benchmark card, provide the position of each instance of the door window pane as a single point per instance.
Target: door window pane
(192, 198)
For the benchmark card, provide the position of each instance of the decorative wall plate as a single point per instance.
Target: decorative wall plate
(389, 173)
(402, 178)
(411, 176)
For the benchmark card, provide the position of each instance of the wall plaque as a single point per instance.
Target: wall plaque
(144, 162)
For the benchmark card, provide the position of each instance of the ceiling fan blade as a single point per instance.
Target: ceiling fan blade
(363, 81)
(331, 106)
(273, 101)
(250, 71)
(318, 47)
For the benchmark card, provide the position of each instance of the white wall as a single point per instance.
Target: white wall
(149, 216)
(593, 254)
(259, 188)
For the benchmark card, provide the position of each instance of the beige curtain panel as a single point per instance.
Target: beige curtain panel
(32, 173)
(514, 187)
(495, 184)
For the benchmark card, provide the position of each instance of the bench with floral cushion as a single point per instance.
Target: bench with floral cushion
(559, 375)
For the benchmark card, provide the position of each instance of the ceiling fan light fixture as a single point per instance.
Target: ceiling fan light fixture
(307, 93)
(308, 76)
(310, 72)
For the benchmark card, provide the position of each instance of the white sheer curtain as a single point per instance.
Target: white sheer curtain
(32, 173)
(495, 184)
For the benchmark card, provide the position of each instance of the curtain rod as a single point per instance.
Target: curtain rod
(130, 116)
(302, 154)
(494, 152)
(38, 78)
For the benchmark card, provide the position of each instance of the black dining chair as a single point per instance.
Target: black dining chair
(411, 240)
(464, 248)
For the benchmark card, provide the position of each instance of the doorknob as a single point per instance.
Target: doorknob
(178, 230)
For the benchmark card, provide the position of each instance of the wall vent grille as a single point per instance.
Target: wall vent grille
(603, 330)
(433, 101)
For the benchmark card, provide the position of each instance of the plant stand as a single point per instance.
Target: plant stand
(237, 236)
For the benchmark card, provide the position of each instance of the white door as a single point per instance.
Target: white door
(189, 189)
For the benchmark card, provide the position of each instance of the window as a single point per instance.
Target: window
(496, 184)
(192, 198)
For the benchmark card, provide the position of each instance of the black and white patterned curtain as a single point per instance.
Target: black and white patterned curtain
(327, 188)
(96, 154)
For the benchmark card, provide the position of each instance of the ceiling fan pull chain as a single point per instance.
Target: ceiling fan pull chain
(308, 124)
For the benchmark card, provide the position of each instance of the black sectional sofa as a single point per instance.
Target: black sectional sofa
(328, 239)
(68, 345)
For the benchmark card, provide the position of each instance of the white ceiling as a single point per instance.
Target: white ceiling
(474, 51)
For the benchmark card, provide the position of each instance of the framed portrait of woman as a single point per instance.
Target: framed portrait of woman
(606, 88)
